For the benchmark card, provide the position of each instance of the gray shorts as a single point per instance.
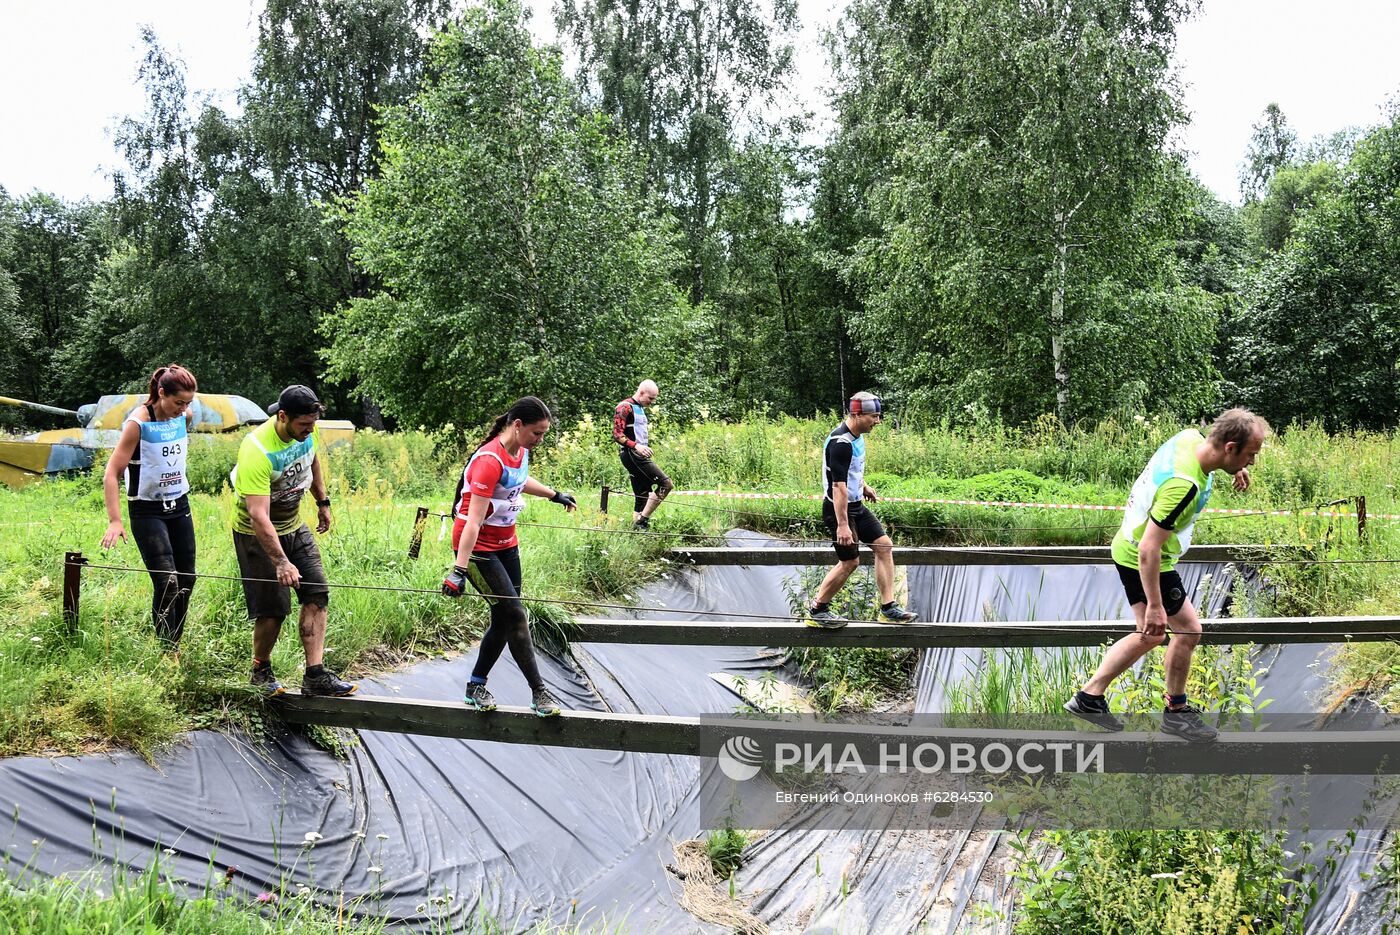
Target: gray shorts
(268, 598)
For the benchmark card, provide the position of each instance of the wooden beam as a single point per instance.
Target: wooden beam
(1220, 631)
(1357, 752)
(966, 555)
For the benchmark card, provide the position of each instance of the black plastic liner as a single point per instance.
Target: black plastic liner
(524, 833)
(534, 833)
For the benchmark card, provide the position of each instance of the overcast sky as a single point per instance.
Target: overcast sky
(68, 68)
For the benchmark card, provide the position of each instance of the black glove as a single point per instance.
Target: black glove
(455, 582)
(565, 500)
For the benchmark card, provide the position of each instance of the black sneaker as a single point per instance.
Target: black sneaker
(478, 697)
(1094, 714)
(1188, 724)
(543, 703)
(825, 620)
(327, 684)
(642, 522)
(263, 678)
(898, 614)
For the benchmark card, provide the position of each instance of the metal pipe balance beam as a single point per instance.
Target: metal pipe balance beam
(1356, 752)
(970, 555)
(1218, 631)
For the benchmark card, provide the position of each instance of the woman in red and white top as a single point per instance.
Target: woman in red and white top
(489, 498)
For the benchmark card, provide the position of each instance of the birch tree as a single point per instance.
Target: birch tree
(1026, 201)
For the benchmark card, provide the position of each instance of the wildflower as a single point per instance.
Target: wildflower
(1167, 876)
(168, 852)
(421, 907)
(358, 836)
(311, 838)
(36, 639)
(382, 837)
(267, 897)
(375, 869)
(228, 874)
(303, 890)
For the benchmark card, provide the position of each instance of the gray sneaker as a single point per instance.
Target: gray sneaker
(898, 614)
(263, 678)
(544, 704)
(1098, 716)
(478, 697)
(326, 684)
(1188, 724)
(825, 620)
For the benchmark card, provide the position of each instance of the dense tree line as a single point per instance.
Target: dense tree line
(424, 212)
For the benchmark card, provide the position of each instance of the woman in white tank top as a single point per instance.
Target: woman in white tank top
(151, 453)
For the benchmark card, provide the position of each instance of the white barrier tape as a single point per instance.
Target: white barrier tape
(735, 495)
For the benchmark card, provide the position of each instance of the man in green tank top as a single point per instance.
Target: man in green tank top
(278, 462)
(1157, 525)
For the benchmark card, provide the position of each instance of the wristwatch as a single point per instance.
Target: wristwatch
(325, 502)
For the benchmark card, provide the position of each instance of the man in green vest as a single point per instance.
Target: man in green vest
(1161, 514)
(278, 462)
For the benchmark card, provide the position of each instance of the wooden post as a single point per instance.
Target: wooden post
(415, 542)
(603, 500)
(1360, 517)
(73, 563)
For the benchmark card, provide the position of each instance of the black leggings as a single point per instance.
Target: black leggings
(166, 540)
(499, 573)
(646, 477)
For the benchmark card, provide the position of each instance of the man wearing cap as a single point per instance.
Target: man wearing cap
(845, 514)
(277, 462)
(632, 431)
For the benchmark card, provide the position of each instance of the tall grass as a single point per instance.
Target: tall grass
(110, 684)
(1180, 882)
(151, 901)
(848, 678)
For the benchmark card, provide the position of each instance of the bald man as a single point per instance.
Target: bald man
(632, 432)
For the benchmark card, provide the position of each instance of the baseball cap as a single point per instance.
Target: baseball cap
(296, 400)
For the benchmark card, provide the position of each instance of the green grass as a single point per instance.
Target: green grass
(725, 848)
(109, 684)
(848, 678)
(152, 903)
(1179, 882)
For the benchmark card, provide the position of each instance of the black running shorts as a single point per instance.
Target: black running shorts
(865, 527)
(1173, 591)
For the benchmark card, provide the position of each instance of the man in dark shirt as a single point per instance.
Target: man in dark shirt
(632, 431)
(845, 514)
